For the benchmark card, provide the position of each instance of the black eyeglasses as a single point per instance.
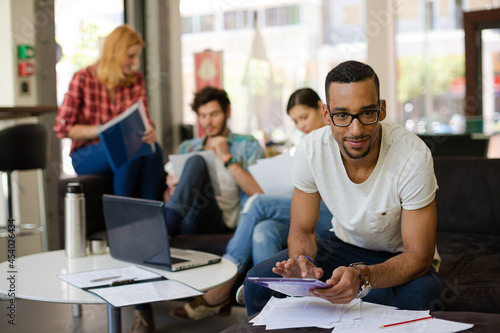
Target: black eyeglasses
(344, 119)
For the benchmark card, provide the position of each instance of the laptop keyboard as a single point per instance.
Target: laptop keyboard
(177, 260)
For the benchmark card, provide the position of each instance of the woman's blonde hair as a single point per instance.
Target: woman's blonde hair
(114, 52)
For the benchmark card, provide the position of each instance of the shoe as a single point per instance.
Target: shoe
(240, 295)
(199, 309)
(143, 322)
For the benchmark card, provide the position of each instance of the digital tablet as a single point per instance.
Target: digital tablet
(290, 286)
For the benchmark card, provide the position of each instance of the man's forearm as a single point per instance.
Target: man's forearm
(304, 212)
(398, 270)
(301, 243)
(418, 230)
(245, 180)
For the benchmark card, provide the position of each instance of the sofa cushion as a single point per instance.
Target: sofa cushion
(468, 199)
(470, 270)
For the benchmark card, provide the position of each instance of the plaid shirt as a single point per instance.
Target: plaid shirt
(87, 102)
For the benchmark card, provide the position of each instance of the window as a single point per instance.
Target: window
(431, 66)
(187, 25)
(429, 15)
(80, 27)
(279, 16)
(206, 23)
(261, 70)
(242, 19)
(300, 41)
(195, 24)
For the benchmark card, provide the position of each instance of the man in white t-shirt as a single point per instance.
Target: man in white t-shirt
(378, 181)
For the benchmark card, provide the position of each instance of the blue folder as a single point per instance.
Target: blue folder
(121, 137)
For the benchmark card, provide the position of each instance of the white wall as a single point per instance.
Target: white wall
(6, 58)
(17, 26)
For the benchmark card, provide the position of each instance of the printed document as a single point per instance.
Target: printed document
(129, 285)
(357, 316)
(178, 161)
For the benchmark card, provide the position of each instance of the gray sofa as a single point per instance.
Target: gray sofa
(468, 238)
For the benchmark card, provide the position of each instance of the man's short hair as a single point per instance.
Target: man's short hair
(349, 72)
(209, 94)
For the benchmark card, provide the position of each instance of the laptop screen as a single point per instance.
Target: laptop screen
(136, 230)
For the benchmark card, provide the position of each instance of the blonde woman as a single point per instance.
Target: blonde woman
(99, 93)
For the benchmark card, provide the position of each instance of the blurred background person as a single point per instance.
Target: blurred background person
(262, 230)
(99, 93)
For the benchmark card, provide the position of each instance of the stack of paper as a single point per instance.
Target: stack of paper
(357, 316)
(306, 311)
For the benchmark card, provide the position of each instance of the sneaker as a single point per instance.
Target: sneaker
(240, 295)
(143, 322)
(200, 309)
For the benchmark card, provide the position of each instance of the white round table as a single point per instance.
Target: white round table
(35, 278)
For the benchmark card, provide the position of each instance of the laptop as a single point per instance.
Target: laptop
(137, 233)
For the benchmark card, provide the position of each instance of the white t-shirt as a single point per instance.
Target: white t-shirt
(228, 200)
(368, 215)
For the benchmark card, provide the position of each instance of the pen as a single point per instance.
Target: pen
(106, 278)
(406, 322)
(122, 282)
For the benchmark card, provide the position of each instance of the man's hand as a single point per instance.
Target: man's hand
(219, 145)
(345, 281)
(298, 268)
(149, 136)
(172, 182)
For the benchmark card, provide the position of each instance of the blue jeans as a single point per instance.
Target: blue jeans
(194, 200)
(273, 213)
(417, 294)
(141, 177)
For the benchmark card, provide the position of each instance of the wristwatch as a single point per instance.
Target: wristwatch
(366, 286)
(230, 161)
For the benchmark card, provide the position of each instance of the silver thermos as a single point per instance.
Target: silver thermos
(74, 220)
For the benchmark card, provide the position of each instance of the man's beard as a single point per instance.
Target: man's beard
(222, 130)
(356, 157)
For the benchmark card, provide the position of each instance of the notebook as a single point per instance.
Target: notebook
(137, 233)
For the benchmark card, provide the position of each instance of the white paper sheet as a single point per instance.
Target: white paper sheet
(293, 312)
(178, 161)
(104, 277)
(146, 292)
(354, 317)
(274, 174)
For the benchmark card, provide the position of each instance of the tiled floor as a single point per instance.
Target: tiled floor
(42, 317)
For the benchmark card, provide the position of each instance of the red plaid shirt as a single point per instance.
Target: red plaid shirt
(87, 102)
